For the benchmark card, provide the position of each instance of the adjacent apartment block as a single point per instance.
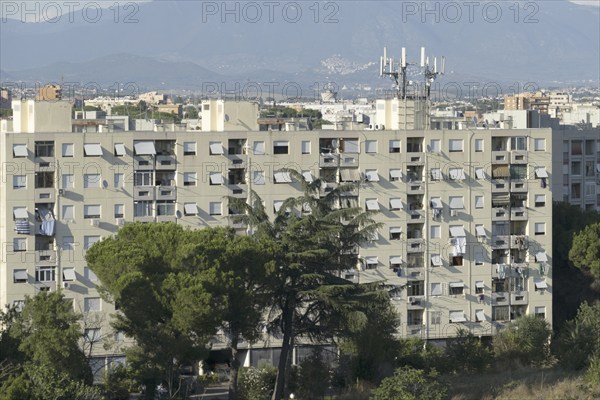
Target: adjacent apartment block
(467, 214)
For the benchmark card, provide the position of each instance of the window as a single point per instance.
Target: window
(189, 179)
(456, 174)
(19, 150)
(119, 210)
(20, 276)
(540, 200)
(395, 204)
(281, 147)
(576, 191)
(215, 178)
(435, 317)
(88, 241)
(539, 144)
(589, 168)
(479, 173)
(216, 148)
(436, 289)
(68, 213)
(416, 288)
(457, 316)
(20, 244)
(478, 145)
(540, 311)
(395, 174)
(455, 145)
(68, 243)
(456, 203)
(68, 149)
(190, 209)
(44, 180)
(479, 287)
(498, 285)
(19, 181)
(45, 274)
(165, 208)
(371, 175)
(92, 304)
(372, 205)
(189, 148)
(576, 168)
(89, 275)
(576, 147)
(394, 146)
(91, 181)
(68, 181)
(435, 231)
(92, 335)
(143, 178)
(540, 228)
(435, 145)
(258, 148)
(306, 147)
(259, 177)
(395, 233)
(371, 146)
(436, 174)
(478, 201)
(91, 211)
(500, 313)
(518, 143)
(282, 177)
(92, 150)
(350, 146)
(119, 180)
(44, 149)
(457, 260)
(120, 150)
(215, 208)
(69, 274)
(590, 189)
(456, 288)
(142, 208)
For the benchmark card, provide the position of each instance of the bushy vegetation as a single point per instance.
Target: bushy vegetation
(256, 383)
(411, 384)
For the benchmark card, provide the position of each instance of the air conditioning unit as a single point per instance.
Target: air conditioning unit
(95, 222)
(66, 285)
(120, 221)
(410, 299)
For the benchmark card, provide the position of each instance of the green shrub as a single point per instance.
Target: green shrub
(411, 384)
(525, 341)
(256, 383)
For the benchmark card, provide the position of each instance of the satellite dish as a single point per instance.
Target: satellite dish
(226, 118)
(178, 214)
(105, 184)
(334, 143)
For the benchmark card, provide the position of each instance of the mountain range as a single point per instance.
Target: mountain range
(184, 44)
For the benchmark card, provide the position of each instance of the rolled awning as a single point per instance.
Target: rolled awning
(457, 203)
(190, 208)
(541, 257)
(479, 285)
(394, 260)
(120, 149)
(307, 176)
(20, 150)
(480, 231)
(349, 175)
(457, 284)
(372, 176)
(540, 172)
(396, 204)
(541, 285)
(216, 148)
(20, 213)
(92, 149)
(144, 148)
(457, 231)
(395, 230)
(20, 275)
(69, 274)
(436, 203)
(436, 260)
(372, 205)
(396, 173)
(480, 316)
(282, 177)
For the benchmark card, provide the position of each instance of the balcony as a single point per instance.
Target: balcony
(500, 299)
(500, 242)
(328, 187)
(167, 163)
(166, 193)
(236, 162)
(519, 298)
(500, 185)
(518, 186)
(416, 188)
(329, 160)
(415, 302)
(44, 195)
(500, 157)
(414, 159)
(520, 242)
(347, 160)
(518, 157)
(518, 213)
(239, 191)
(417, 215)
(141, 163)
(414, 246)
(143, 192)
(500, 214)
(45, 257)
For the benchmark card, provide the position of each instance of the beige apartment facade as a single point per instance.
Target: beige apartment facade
(467, 215)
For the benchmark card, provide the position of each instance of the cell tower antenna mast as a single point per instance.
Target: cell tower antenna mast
(399, 72)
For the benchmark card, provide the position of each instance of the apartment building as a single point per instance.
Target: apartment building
(576, 159)
(467, 214)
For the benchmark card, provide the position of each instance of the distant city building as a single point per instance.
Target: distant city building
(175, 109)
(49, 93)
(153, 98)
(5, 98)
